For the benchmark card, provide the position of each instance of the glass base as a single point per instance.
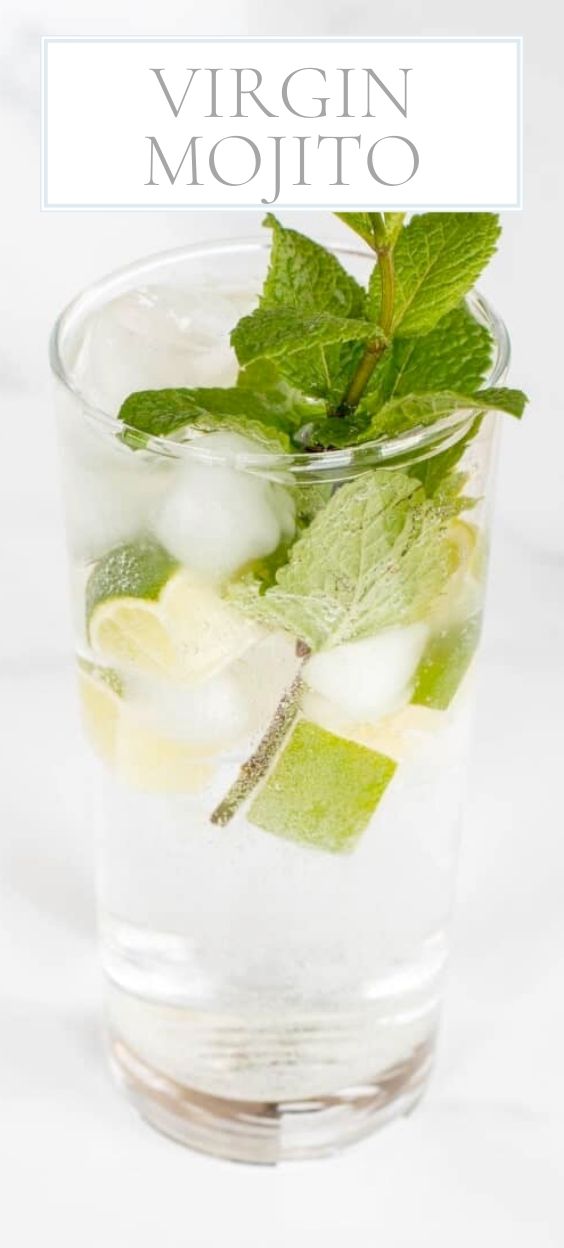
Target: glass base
(265, 1132)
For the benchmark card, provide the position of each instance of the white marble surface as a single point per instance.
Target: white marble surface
(481, 1161)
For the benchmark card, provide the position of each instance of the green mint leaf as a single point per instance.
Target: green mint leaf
(413, 410)
(268, 417)
(437, 475)
(362, 223)
(264, 377)
(305, 276)
(323, 790)
(375, 228)
(455, 355)
(374, 557)
(276, 333)
(437, 259)
(332, 432)
(393, 222)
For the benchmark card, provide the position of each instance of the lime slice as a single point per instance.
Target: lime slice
(100, 703)
(140, 754)
(154, 763)
(444, 664)
(323, 790)
(464, 590)
(121, 606)
(146, 613)
(463, 536)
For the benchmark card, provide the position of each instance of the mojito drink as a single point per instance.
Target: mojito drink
(278, 545)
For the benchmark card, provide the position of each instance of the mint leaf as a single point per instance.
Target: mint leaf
(268, 417)
(376, 228)
(413, 410)
(437, 475)
(279, 332)
(393, 224)
(362, 224)
(332, 432)
(455, 355)
(374, 557)
(323, 790)
(305, 276)
(437, 259)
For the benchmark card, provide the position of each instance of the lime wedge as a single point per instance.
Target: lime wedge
(445, 662)
(121, 606)
(323, 790)
(133, 570)
(147, 760)
(100, 702)
(139, 754)
(145, 612)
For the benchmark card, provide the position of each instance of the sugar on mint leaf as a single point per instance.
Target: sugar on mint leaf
(323, 790)
(375, 556)
(437, 259)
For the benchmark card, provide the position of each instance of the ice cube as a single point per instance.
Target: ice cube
(369, 678)
(210, 716)
(157, 337)
(110, 491)
(264, 673)
(216, 518)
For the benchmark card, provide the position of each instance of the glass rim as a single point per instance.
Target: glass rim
(420, 442)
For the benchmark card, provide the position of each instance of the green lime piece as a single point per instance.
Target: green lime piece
(133, 570)
(105, 675)
(445, 662)
(323, 790)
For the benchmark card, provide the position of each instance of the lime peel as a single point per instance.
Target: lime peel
(323, 790)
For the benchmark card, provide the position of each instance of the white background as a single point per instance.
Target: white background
(102, 100)
(481, 1161)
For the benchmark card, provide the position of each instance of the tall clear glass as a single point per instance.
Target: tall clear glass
(274, 957)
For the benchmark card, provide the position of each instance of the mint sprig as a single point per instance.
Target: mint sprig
(437, 259)
(322, 359)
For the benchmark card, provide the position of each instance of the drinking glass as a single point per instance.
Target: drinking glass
(277, 828)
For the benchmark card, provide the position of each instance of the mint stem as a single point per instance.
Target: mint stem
(374, 349)
(257, 765)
